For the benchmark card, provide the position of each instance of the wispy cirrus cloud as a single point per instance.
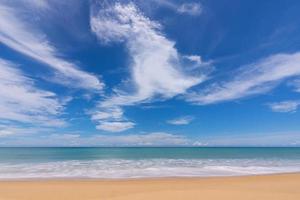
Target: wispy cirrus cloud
(264, 139)
(12, 130)
(154, 139)
(156, 68)
(256, 78)
(37, 4)
(22, 101)
(114, 125)
(184, 120)
(285, 106)
(188, 8)
(24, 37)
(295, 84)
(74, 139)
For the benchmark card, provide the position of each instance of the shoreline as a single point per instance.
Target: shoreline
(142, 178)
(268, 187)
(42, 179)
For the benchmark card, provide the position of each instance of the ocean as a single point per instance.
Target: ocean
(144, 162)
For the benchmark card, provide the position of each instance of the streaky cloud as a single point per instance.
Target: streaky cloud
(181, 120)
(73, 139)
(295, 84)
(285, 106)
(256, 78)
(190, 8)
(187, 8)
(21, 101)
(25, 38)
(12, 130)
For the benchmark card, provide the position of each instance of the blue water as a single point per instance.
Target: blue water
(144, 162)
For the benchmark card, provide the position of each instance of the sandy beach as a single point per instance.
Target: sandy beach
(266, 187)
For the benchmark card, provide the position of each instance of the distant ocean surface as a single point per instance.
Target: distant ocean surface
(115, 163)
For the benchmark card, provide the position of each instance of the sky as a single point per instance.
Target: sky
(149, 73)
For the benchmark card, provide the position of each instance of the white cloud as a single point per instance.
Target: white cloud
(115, 126)
(156, 66)
(154, 139)
(284, 106)
(64, 136)
(111, 119)
(7, 130)
(41, 4)
(295, 84)
(114, 113)
(257, 78)
(181, 120)
(188, 8)
(195, 58)
(21, 101)
(24, 37)
(74, 139)
(264, 139)
(150, 139)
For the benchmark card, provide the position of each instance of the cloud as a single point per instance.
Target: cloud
(265, 139)
(153, 139)
(74, 139)
(33, 4)
(114, 113)
(156, 68)
(295, 84)
(150, 139)
(194, 58)
(188, 8)
(256, 78)
(21, 101)
(115, 126)
(7, 130)
(64, 136)
(284, 106)
(181, 120)
(110, 118)
(41, 4)
(23, 37)
(155, 63)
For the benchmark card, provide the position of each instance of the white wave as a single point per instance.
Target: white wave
(122, 168)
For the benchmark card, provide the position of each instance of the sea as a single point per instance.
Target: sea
(144, 162)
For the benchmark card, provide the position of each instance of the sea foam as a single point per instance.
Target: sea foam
(146, 168)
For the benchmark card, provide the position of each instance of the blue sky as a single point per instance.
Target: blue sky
(149, 73)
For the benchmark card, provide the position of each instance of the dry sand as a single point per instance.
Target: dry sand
(268, 187)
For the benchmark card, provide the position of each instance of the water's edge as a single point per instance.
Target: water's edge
(133, 163)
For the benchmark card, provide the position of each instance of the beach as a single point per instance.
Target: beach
(149, 173)
(149, 100)
(266, 187)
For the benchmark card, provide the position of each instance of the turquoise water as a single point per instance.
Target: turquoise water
(144, 162)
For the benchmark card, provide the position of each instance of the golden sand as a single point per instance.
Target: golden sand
(268, 187)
